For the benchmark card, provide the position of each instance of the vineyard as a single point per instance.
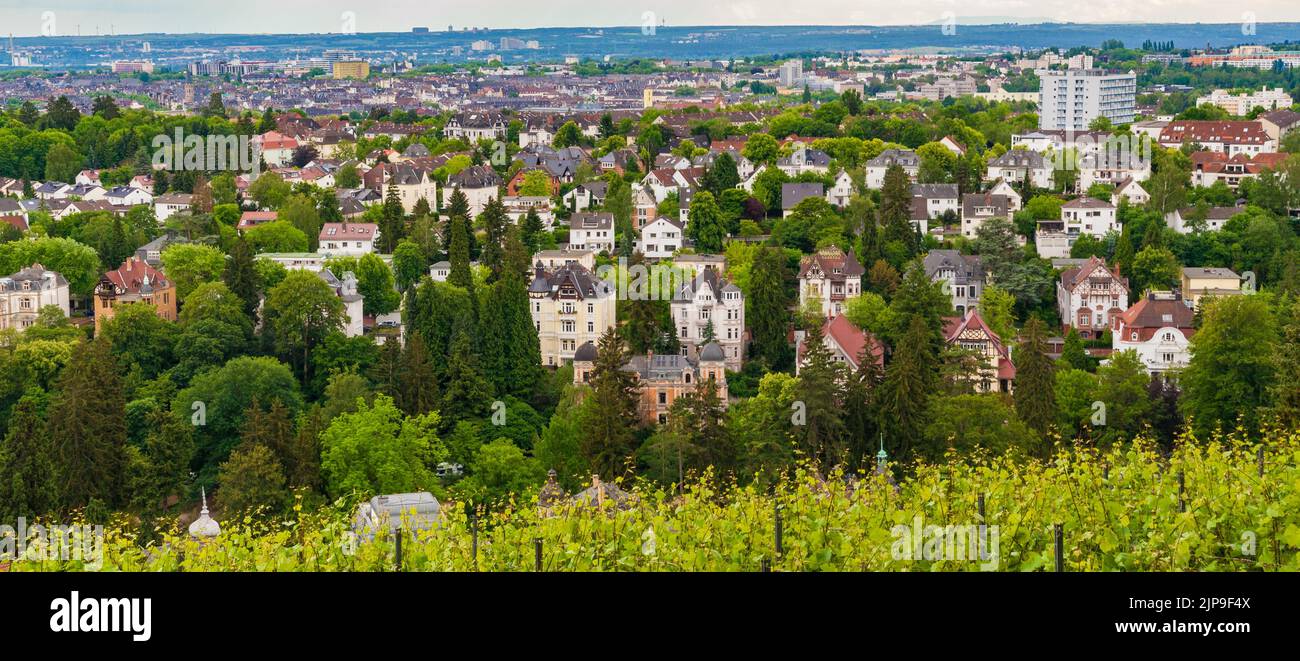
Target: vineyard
(1222, 506)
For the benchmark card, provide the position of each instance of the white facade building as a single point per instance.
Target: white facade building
(1073, 98)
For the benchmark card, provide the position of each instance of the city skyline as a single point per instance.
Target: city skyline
(126, 17)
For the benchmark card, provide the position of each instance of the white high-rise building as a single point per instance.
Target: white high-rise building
(1072, 98)
(791, 74)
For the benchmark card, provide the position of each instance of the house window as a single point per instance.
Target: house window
(663, 397)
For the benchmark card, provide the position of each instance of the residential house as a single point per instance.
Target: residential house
(711, 304)
(661, 238)
(11, 187)
(24, 293)
(1187, 219)
(1210, 167)
(353, 302)
(592, 231)
(793, 194)
(1278, 123)
(1090, 296)
(13, 214)
(276, 148)
(1014, 199)
(802, 159)
(846, 342)
(979, 207)
(552, 260)
(876, 167)
(1129, 189)
(164, 206)
(1159, 329)
(997, 373)
(1088, 215)
(840, 193)
(1018, 165)
(1198, 284)
(644, 207)
(134, 282)
(474, 126)
(51, 190)
(662, 378)
(250, 219)
(963, 277)
(127, 196)
(588, 195)
(347, 239)
(412, 184)
(830, 276)
(571, 307)
(479, 183)
(1231, 137)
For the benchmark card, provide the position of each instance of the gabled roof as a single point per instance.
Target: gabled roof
(134, 275)
(903, 157)
(475, 176)
(793, 194)
(1070, 278)
(999, 203)
(829, 260)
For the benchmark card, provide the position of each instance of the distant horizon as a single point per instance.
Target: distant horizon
(974, 21)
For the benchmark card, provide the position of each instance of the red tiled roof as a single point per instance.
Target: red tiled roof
(1238, 132)
(130, 276)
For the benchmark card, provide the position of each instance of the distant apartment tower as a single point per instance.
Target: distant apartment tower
(511, 43)
(1072, 99)
(1242, 104)
(133, 66)
(791, 73)
(351, 69)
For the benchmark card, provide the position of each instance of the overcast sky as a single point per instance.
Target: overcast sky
(26, 17)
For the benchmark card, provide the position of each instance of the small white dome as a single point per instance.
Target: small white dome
(204, 527)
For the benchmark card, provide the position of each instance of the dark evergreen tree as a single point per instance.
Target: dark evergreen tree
(458, 254)
(1035, 392)
(861, 415)
(392, 225)
(469, 394)
(1073, 354)
(819, 389)
(768, 313)
(241, 277)
(87, 427)
(26, 464)
(418, 385)
(494, 222)
(910, 378)
(610, 417)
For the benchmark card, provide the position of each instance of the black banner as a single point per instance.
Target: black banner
(732, 611)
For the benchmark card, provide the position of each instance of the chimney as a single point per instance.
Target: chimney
(600, 492)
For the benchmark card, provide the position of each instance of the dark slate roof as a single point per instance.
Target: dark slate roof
(903, 157)
(967, 268)
(585, 353)
(793, 194)
(475, 176)
(935, 191)
(712, 353)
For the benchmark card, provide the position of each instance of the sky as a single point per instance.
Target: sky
(65, 17)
